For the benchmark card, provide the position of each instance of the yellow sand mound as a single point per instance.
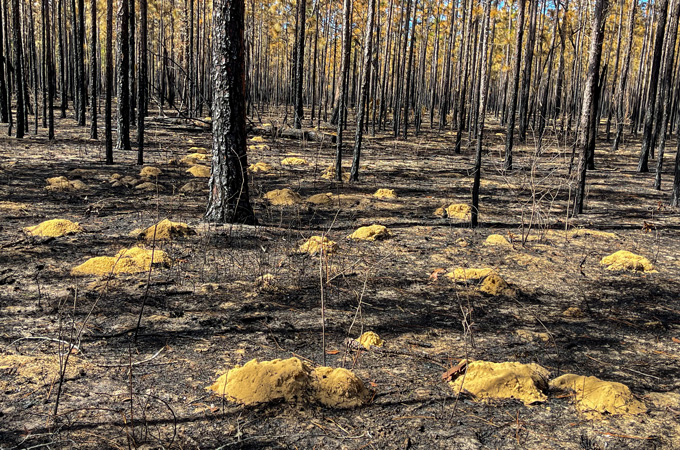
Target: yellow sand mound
(385, 193)
(370, 233)
(624, 260)
(497, 240)
(316, 244)
(456, 210)
(201, 150)
(13, 206)
(149, 172)
(54, 228)
(338, 388)
(193, 158)
(291, 380)
(63, 184)
(594, 395)
(320, 199)
(38, 369)
(149, 186)
(283, 197)
(294, 161)
(329, 174)
(370, 338)
(258, 148)
(133, 260)
(582, 232)
(573, 311)
(200, 171)
(469, 274)
(489, 380)
(260, 167)
(193, 186)
(257, 139)
(495, 285)
(166, 229)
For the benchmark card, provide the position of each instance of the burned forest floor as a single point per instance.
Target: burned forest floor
(77, 372)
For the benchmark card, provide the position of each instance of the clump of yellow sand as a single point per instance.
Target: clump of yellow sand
(260, 167)
(39, 369)
(63, 184)
(291, 380)
(369, 339)
(495, 285)
(258, 148)
(489, 380)
(370, 233)
(149, 172)
(283, 197)
(456, 210)
(165, 230)
(385, 193)
(200, 171)
(469, 274)
(497, 240)
(624, 260)
(132, 260)
(573, 311)
(193, 158)
(329, 174)
(149, 186)
(320, 199)
(338, 388)
(593, 395)
(13, 206)
(294, 161)
(201, 150)
(582, 232)
(54, 228)
(257, 139)
(317, 244)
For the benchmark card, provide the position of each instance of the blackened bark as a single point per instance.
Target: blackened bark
(526, 78)
(594, 58)
(18, 70)
(344, 69)
(363, 94)
(4, 111)
(299, 66)
(228, 200)
(648, 135)
(123, 65)
(131, 58)
(620, 91)
(93, 70)
(109, 83)
(509, 137)
(142, 79)
(49, 70)
(80, 68)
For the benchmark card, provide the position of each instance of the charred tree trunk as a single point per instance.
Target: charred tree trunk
(94, 77)
(18, 71)
(123, 65)
(142, 80)
(299, 65)
(594, 58)
(507, 165)
(344, 72)
(526, 78)
(228, 200)
(620, 91)
(108, 125)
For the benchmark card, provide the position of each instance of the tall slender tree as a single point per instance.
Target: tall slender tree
(344, 75)
(623, 80)
(142, 79)
(299, 63)
(18, 70)
(108, 125)
(514, 87)
(123, 63)
(93, 69)
(228, 200)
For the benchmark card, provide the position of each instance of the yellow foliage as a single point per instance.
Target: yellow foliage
(469, 274)
(456, 210)
(489, 380)
(291, 380)
(593, 395)
(370, 338)
(200, 171)
(54, 228)
(260, 167)
(133, 260)
(150, 172)
(385, 193)
(624, 260)
(294, 161)
(317, 244)
(370, 233)
(283, 197)
(166, 229)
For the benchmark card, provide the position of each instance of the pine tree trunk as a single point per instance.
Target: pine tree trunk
(94, 77)
(526, 78)
(18, 70)
(620, 91)
(228, 200)
(49, 71)
(123, 65)
(648, 137)
(594, 58)
(344, 69)
(363, 94)
(141, 79)
(108, 125)
(509, 137)
(299, 63)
